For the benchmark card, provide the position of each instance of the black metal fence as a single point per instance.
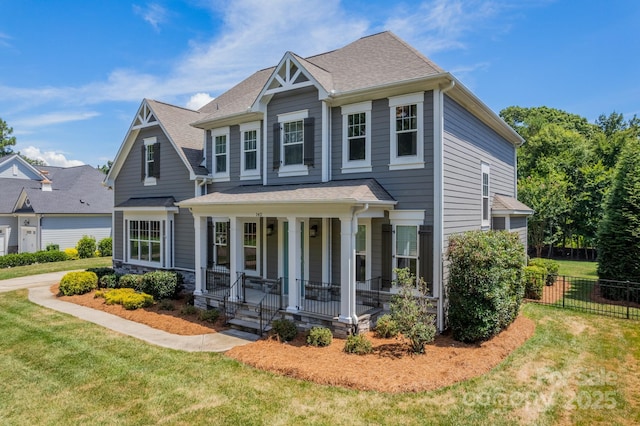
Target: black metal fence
(619, 299)
(320, 298)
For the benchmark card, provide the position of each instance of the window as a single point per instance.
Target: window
(220, 161)
(250, 139)
(145, 242)
(356, 136)
(486, 208)
(407, 248)
(150, 161)
(250, 246)
(221, 244)
(361, 253)
(407, 134)
(294, 144)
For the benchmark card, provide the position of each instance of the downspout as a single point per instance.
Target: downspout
(354, 230)
(438, 236)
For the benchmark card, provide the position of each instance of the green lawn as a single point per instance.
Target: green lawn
(56, 369)
(43, 268)
(580, 269)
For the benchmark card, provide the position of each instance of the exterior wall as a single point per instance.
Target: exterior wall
(235, 154)
(67, 230)
(174, 181)
(23, 172)
(12, 222)
(118, 228)
(315, 253)
(519, 225)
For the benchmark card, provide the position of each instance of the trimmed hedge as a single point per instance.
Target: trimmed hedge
(130, 281)
(161, 284)
(535, 276)
(78, 283)
(550, 268)
(23, 259)
(127, 297)
(486, 283)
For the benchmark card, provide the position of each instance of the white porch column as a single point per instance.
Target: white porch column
(235, 254)
(326, 250)
(347, 270)
(294, 264)
(200, 228)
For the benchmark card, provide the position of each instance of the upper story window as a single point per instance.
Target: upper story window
(150, 161)
(293, 143)
(407, 131)
(356, 137)
(486, 207)
(249, 161)
(220, 161)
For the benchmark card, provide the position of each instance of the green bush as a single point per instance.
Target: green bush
(284, 329)
(86, 247)
(52, 247)
(23, 259)
(410, 309)
(101, 271)
(535, 279)
(129, 281)
(386, 327)
(49, 256)
(72, 253)
(105, 246)
(166, 305)
(358, 344)
(188, 310)
(127, 297)
(486, 283)
(161, 284)
(109, 281)
(319, 336)
(78, 283)
(209, 315)
(550, 268)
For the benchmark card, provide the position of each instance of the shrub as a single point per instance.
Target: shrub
(386, 327)
(188, 310)
(486, 283)
(105, 246)
(161, 284)
(72, 254)
(319, 336)
(109, 281)
(49, 256)
(284, 329)
(166, 305)
(78, 283)
(410, 309)
(535, 279)
(358, 344)
(130, 281)
(86, 247)
(127, 297)
(52, 247)
(23, 259)
(209, 315)
(101, 271)
(550, 269)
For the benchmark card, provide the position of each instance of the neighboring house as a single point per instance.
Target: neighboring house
(42, 205)
(314, 179)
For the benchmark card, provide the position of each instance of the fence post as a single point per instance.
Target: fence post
(563, 289)
(628, 299)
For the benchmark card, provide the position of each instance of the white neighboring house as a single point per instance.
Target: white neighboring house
(42, 205)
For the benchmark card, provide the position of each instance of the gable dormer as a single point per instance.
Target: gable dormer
(144, 117)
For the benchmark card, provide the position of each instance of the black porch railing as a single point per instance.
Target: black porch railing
(320, 298)
(368, 296)
(271, 302)
(217, 282)
(619, 299)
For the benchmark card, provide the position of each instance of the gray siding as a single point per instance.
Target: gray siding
(23, 172)
(293, 101)
(376, 248)
(519, 225)
(12, 222)
(66, 231)
(413, 189)
(118, 227)
(272, 251)
(467, 143)
(315, 252)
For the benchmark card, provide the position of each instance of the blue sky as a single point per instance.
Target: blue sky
(73, 73)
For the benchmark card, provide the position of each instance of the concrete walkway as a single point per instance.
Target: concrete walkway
(40, 294)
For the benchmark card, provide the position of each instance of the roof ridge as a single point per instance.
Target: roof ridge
(171, 105)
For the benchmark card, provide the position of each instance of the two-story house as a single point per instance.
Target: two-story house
(300, 189)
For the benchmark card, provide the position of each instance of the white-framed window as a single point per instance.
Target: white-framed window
(250, 159)
(221, 244)
(292, 143)
(151, 153)
(356, 137)
(250, 255)
(220, 158)
(363, 250)
(406, 226)
(145, 242)
(485, 191)
(407, 131)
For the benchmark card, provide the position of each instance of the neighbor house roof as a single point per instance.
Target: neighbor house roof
(346, 191)
(503, 204)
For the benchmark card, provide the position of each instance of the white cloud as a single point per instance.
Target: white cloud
(198, 100)
(152, 13)
(54, 118)
(50, 158)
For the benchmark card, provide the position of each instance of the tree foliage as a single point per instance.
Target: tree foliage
(6, 140)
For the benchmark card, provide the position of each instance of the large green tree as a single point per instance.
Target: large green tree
(6, 140)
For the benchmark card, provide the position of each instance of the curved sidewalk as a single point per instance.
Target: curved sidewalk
(40, 294)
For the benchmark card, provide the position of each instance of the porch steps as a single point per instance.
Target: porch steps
(247, 320)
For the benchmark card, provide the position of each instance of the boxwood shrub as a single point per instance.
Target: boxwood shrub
(78, 283)
(319, 336)
(535, 279)
(161, 284)
(486, 283)
(358, 344)
(130, 281)
(284, 329)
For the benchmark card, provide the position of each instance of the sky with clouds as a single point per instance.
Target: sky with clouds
(73, 74)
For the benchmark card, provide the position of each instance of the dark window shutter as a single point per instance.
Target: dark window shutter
(276, 146)
(156, 160)
(309, 145)
(387, 260)
(210, 233)
(143, 156)
(425, 254)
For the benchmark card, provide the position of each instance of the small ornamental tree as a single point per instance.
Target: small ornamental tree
(486, 283)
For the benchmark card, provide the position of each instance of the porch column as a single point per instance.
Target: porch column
(200, 227)
(294, 264)
(235, 244)
(326, 250)
(347, 270)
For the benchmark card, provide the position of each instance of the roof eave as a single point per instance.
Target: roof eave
(228, 120)
(511, 212)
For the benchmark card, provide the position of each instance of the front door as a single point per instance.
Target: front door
(28, 239)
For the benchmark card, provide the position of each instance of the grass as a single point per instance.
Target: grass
(578, 269)
(43, 268)
(56, 369)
